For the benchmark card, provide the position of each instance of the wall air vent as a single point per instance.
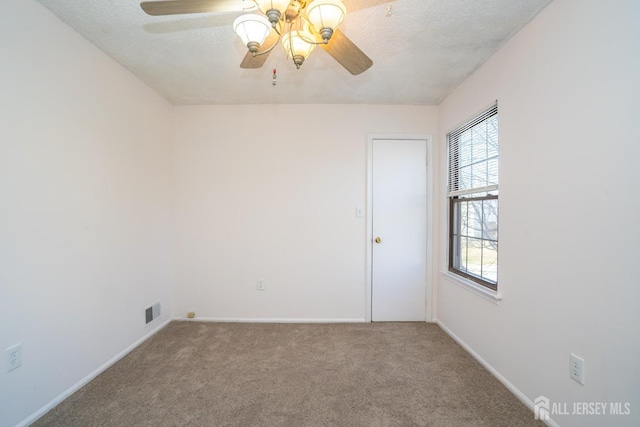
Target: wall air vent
(152, 313)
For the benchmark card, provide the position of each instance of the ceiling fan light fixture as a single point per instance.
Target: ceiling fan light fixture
(297, 48)
(299, 24)
(252, 29)
(325, 16)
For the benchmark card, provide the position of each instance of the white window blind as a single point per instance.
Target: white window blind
(473, 155)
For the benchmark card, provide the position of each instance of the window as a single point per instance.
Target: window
(473, 199)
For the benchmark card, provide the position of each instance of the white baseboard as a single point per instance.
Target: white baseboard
(270, 320)
(77, 386)
(513, 389)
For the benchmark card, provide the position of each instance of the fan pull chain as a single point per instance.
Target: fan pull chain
(273, 82)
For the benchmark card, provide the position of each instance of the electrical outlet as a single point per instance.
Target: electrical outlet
(260, 285)
(14, 357)
(576, 368)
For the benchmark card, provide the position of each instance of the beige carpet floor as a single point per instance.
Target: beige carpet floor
(235, 374)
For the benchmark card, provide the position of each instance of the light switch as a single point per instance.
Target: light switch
(359, 212)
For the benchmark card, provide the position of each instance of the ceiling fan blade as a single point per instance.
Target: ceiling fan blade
(175, 25)
(179, 7)
(354, 5)
(251, 61)
(347, 53)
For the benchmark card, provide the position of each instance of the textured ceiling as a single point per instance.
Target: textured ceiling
(421, 50)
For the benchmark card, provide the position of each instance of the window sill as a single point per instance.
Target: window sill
(471, 286)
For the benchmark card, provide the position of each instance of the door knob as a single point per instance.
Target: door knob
(378, 240)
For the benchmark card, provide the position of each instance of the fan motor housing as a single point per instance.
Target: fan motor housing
(293, 10)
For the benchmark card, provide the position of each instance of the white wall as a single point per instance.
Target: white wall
(568, 93)
(84, 207)
(270, 191)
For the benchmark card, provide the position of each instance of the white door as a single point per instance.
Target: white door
(399, 229)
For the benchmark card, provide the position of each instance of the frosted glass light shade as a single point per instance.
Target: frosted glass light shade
(326, 13)
(252, 28)
(267, 5)
(293, 42)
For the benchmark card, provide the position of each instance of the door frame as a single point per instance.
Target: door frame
(430, 223)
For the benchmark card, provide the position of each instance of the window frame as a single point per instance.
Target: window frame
(452, 237)
(456, 196)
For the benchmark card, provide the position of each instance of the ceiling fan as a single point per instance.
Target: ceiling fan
(300, 25)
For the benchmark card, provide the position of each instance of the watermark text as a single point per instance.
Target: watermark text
(544, 408)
